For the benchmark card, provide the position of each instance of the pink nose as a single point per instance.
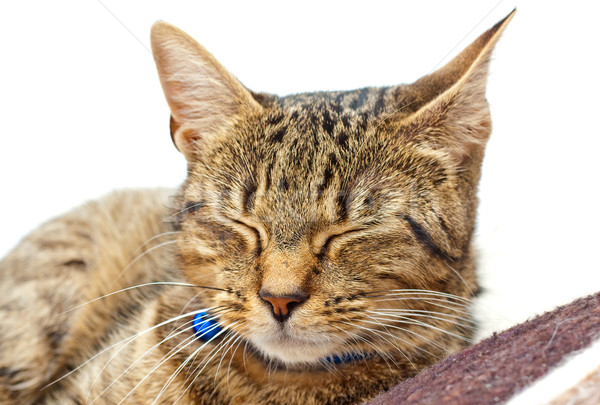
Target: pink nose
(282, 305)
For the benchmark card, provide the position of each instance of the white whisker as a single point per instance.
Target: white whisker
(193, 337)
(144, 355)
(417, 292)
(428, 301)
(160, 235)
(126, 341)
(433, 301)
(231, 359)
(356, 343)
(131, 263)
(408, 315)
(206, 362)
(124, 372)
(164, 361)
(396, 337)
(407, 331)
(371, 330)
(140, 358)
(244, 356)
(171, 283)
(192, 359)
(411, 321)
(461, 278)
(383, 353)
(225, 353)
(189, 302)
(426, 314)
(181, 211)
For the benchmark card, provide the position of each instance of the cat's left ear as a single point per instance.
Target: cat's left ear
(448, 109)
(204, 98)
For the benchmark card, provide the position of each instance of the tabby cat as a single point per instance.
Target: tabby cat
(318, 252)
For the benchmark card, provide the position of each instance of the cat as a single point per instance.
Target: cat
(318, 252)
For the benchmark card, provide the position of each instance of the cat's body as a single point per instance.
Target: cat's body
(44, 344)
(312, 226)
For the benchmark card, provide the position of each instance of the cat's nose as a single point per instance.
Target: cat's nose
(282, 305)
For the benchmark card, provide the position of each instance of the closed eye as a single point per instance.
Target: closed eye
(325, 240)
(248, 229)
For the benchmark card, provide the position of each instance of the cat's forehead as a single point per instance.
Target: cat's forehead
(334, 120)
(312, 125)
(368, 100)
(307, 140)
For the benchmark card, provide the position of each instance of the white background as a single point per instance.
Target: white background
(81, 111)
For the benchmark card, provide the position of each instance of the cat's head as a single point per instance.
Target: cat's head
(335, 222)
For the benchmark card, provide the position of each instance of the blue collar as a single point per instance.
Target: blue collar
(206, 328)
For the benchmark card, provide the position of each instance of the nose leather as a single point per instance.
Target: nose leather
(282, 305)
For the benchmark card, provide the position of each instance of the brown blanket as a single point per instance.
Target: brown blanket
(499, 367)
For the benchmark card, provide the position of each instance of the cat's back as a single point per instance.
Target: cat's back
(121, 239)
(99, 232)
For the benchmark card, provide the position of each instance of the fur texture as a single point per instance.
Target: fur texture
(310, 226)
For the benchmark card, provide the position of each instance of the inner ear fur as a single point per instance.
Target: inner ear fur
(448, 108)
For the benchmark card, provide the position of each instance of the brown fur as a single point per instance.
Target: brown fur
(340, 198)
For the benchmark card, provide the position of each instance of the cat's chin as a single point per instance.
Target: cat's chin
(293, 352)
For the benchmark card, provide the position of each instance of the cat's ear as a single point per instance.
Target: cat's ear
(448, 108)
(204, 98)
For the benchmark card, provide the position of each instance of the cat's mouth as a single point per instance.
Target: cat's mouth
(291, 350)
(285, 348)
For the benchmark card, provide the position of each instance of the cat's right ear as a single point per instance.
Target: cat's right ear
(204, 98)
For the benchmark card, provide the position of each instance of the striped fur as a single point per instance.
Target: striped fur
(356, 207)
